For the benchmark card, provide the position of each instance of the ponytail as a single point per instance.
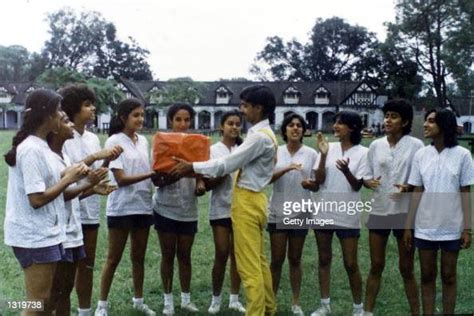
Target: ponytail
(39, 105)
(116, 125)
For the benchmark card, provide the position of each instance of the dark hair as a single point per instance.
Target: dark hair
(353, 120)
(287, 120)
(124, 108)
(39, 104)
(260, 95)
(173, 109)
(402, 107)
(446, 121)
(228, 114)
(73, 97)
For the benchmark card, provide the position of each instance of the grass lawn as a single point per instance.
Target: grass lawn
(391, 299)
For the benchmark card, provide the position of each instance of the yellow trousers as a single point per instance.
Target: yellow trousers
(249, 216)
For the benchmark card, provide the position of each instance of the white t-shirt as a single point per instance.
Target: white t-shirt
(392, 165)
(134, 199)
(71, 212)
(221, 196)
(34, 172)
(337, 188)
(288, 188)
(254, 157)
(440, 214)
(177, 201)
(77, 149)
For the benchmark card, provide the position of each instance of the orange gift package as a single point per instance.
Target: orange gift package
(190, 147)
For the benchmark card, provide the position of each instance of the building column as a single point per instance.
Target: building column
(162, 120)
(212, 120)
(196, 121)
(320, 121)
(18, 118)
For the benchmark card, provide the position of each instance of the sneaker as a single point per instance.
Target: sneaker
(101, 311)
(237, 306)
(214, 308)
(190, 307)
(323, 310)
(357, 312)
(144, 309)
(296, 310)
(168, 309)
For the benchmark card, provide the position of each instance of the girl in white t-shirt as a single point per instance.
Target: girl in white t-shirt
(74, 245)
(78, 103)
(129, 209)
(34, 219)
(292, 171)
(339, 174)
(219, 215)
(176, 217)
(442, 174)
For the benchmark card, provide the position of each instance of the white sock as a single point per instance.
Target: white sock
(216, 299)
(137, 301)
(168, 299)
(185, 298)
(358, 306)
(325, 301)
(84, 312)
(368, 313)
(233, 298)
(103, 304)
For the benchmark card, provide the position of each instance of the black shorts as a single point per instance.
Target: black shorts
(90, 226)
(445, 245)
(27, 256)
(168, 225)
(225, 222)
(74, 254)
(341, 232)
(384, 225)
(272, 229)
(130, 221)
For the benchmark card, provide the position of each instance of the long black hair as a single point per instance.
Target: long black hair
(224, 118)
(39, 105)
(446, 121)
(353, 120)
(124, 108)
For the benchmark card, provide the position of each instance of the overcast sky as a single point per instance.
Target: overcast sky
(201, 39)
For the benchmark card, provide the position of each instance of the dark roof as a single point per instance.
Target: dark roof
(339, 90)
(464, 106)
(18, 90)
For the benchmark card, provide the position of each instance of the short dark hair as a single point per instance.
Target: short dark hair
(353, 120)
(446, 121)
(402, 107)
(260, 95)
(228, 114)
(287, 120)
(73, 97)
(124, 109)
(173, 109)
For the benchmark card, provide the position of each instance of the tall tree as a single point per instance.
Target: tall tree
(88, 43)
(435, 33)
(107, 95)
(17, 64)
(336, 50)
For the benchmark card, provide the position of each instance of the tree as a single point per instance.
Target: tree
(176, 90)
(107, 95)
(336, 50)
(439, 36)
(17, 64)
(88, 43)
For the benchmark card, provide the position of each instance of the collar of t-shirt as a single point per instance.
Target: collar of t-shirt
(262, 124)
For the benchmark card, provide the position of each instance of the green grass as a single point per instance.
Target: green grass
(391, 299)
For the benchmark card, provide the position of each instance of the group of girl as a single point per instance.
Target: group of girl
(57, 170)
